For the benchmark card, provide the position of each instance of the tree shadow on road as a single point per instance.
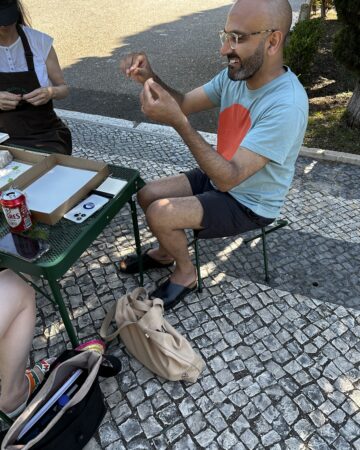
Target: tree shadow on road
(164, 44)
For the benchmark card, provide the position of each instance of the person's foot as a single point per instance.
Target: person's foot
(171, 293)
(176, 287)
(150, 260)
(18, 396)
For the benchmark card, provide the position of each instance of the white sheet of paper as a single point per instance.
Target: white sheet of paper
(52, 189)
(4, 137)
(12, 171)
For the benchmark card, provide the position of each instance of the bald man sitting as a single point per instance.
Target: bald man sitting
(242, 185)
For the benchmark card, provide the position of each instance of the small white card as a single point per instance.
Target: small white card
(111, 186)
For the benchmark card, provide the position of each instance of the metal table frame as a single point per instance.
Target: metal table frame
(69, 240)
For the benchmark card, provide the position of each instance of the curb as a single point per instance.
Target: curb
(316, 153)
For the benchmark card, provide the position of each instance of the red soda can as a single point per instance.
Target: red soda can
(15, 209)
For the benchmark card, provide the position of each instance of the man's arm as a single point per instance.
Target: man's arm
(224, 174)
(160, 106)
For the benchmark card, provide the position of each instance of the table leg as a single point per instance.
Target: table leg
(137, 239)
(55, 289)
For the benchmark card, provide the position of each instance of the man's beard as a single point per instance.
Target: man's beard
(249, 66)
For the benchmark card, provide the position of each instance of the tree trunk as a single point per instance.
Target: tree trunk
(323, 9)
(353, 108)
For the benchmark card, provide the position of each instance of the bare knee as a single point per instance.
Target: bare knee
(146, 196)
(158, 214)
(167, 187)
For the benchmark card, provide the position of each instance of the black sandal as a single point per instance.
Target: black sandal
(131, 263)
(172, 293)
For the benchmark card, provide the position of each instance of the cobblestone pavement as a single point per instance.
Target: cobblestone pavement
(282, 359)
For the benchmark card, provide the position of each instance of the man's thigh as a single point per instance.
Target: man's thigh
(176, 213)
(167, 187)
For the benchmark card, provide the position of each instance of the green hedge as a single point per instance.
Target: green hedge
(302, 46)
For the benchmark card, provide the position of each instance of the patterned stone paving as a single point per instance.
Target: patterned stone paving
(282, 359)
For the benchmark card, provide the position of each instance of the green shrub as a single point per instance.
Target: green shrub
(302, 46)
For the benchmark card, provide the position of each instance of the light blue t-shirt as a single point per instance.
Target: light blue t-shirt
(270, 121)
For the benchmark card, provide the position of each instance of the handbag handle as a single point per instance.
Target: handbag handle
(138, 304)
(106, 323)
(141, 292)
(142, 306)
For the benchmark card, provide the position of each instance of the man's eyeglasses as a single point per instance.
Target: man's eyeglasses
(235, 38)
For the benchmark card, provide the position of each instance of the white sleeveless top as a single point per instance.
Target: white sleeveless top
(12, 58)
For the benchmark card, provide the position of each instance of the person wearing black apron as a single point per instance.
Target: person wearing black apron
(26, 108)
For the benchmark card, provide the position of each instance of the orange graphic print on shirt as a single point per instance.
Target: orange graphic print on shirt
(234, 123)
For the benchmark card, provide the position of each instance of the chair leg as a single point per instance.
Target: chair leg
(263, 233)
(197, 262)
(280, 223)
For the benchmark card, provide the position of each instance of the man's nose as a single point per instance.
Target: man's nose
(225, 48)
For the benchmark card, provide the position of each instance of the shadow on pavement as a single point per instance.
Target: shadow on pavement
(184, 53)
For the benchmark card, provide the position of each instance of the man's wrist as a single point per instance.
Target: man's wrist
(182, 125)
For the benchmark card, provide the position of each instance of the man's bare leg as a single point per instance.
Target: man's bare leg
(167, 219)
(168, 187)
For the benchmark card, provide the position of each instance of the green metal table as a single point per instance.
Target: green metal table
(68, 240)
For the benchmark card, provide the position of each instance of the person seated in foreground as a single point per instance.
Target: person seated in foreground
(17, 323)
(30, 78)
(262, 122)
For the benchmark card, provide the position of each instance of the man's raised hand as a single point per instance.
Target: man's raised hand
(159, 105)
(137, 67)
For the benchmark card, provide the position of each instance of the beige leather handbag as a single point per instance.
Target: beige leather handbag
(151, 339)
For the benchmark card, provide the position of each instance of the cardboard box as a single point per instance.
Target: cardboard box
(22, 156)
(101, 171)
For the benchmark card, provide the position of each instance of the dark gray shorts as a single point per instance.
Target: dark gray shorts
(223, 215)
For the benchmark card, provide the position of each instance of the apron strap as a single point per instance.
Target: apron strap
(28, 53)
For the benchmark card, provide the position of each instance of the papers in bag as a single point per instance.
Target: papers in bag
(4, 137)
(50, 403)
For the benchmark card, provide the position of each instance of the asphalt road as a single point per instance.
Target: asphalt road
(91, 37)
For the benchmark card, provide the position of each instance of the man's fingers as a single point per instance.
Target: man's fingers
(137, 61)
(155, 88)
(147, 94)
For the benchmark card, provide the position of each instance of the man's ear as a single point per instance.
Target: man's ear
(274, 43)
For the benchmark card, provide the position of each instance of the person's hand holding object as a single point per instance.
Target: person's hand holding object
(9, 101)
(137, 67)
(159, 105)
(39, 96)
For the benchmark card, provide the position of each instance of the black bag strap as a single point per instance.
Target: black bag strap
(28, 53)
(107, 371)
